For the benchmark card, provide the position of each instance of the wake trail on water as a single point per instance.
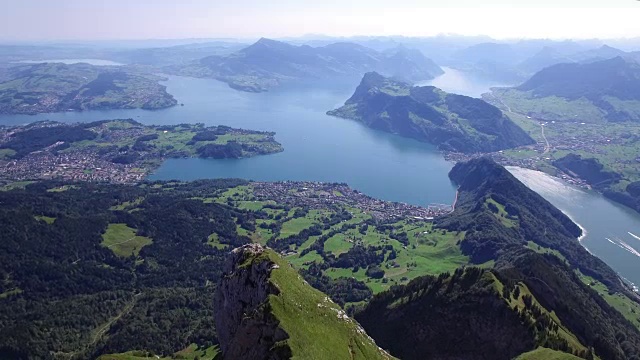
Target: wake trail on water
(623, 245)
(634, 235)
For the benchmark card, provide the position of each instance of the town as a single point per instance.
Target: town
(317, 195)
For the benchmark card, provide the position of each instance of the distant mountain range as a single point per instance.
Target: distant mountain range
(605, 90)
(516, 62)
(53, 87)
(269, 63)
(453, 122)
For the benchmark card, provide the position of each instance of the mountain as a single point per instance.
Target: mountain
(265, 310)
(174, 55)
(614, 77)
(453, 122)
(490, 51)
(53, 87)
(534, 296)
(268, 63)
(491, 61)
(589, 169)
(546, 57)
(606, 90)
(604, 52)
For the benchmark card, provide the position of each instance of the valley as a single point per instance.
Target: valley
(357, 220)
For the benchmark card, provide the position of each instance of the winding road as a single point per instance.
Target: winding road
(547, 146)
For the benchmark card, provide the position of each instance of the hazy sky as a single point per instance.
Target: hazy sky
(146, 19)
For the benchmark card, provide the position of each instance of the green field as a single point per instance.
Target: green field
(122, 240)
(192, 352)
(550, 108)
(546, 354)
(6, 153)
(16, 185)
(627, 307)
(49, 220)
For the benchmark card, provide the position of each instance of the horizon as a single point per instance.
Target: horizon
(39, 20)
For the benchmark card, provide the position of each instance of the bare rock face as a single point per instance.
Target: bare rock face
(245, 325)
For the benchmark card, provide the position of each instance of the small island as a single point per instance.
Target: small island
(117, 151)
(56, 87)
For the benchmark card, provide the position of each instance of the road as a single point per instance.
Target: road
(547, 146)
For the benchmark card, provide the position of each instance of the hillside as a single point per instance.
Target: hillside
(140, 266)
(54, 87)
(606, 90)
(533, 293)
(265, 310)
(589, 169)
(269, 63)
(453, 122)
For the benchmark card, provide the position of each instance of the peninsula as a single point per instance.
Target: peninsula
(117, 151)
(453, 122)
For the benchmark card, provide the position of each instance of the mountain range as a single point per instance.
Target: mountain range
(453, 122)
(514, 63)
(607, 90)
(269, 63)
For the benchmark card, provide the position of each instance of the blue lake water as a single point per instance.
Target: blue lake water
(317, 146)
(612, 230)
(458, 82)
(322, 148)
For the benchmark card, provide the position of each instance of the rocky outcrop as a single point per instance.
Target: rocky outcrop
(246, 327)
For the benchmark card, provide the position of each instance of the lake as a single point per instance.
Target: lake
(458, 82)
(612, 230)
(317, 146)
(323, 148)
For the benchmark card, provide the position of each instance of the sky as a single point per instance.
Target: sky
(37, 20)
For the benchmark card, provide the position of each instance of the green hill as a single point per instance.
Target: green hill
(527, 300)
(265, 310)
(605, 90)
(453, 122)
(54, 87)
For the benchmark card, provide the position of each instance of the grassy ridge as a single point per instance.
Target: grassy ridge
(317, 327)
(546, 354)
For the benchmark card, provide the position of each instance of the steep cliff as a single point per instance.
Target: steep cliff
(265, 310)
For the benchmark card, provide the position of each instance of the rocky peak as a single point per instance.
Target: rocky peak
(246, 328)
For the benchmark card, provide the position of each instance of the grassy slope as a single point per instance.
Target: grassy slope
(190, 353)
(430, 252)
(318, 328)
(546, 354)
(122, 240)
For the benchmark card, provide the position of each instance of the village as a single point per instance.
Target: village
(317, 195)
(76, 165)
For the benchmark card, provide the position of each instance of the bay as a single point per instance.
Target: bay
(323, 148)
